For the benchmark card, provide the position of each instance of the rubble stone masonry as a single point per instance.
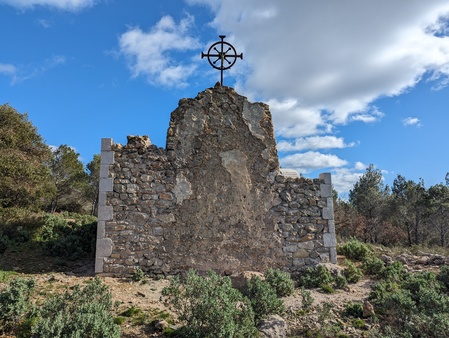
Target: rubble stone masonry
(214, 198)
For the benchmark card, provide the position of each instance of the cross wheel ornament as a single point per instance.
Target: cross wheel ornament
(222, 55)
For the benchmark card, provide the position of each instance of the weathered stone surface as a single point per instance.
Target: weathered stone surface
(273, 327)
(214, 198)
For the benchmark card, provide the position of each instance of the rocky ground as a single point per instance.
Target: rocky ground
(144, 297)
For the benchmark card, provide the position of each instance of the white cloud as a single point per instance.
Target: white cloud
(314, 143)
(343, 180)
(360, 166)
(151, 54)
(311, 160)
(335, 55)
(31, 71)
(7, 69)
(68, 5)
(412, 121)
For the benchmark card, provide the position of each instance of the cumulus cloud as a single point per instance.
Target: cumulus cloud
(314, 143)
(343, 180)
(322, 64)
(68, 5)
(411, 121)
(311, 160)
(151, 54)
(333, 58)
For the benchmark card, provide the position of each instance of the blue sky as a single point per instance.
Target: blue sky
(349, 83)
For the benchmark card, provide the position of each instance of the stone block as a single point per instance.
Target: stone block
(329, 240)
(107, 157)
(297, 262)
(325, 190)
(106, 144)
(101, 231)
(99, 265)
(328, 213)
(331, 225)
(310, 245)
(333, 255)
(290, 248)
(102, 198)
(106, 184)
(301, 253)
(104, 171)
(104, 247)
(326, 177)
(105, 212)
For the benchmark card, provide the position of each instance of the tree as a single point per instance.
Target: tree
(93, 168)
(409, 206)
(24, 178)
(69, 178)
(368, 197)
(438, 210)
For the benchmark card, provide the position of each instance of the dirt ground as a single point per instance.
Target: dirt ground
(145, 297)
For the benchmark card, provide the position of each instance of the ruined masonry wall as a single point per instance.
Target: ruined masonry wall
(215, 198)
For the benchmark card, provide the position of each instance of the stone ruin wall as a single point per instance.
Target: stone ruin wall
(214, 198)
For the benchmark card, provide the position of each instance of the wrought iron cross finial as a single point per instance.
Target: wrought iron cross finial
(222, 55)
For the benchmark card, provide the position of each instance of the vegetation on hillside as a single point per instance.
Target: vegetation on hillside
(48, 202)
(406, 214)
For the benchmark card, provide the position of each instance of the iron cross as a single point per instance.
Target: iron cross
(222, 55)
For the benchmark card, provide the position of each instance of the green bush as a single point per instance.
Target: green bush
(263, 298)
(4, 243)
(394, 272)
(15, 303)
(74, 241)
(355, 250)
(443, 276)
(340, 282)
(382, 289)
(352, 273)
(280, 281)
(411, 305)
(138, 275)
(315, 276)
(84, 312)
(353, 310)
(307, 299)
(210, 306)
(52, 227)
(373, 266)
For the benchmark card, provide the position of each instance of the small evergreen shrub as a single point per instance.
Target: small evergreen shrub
(264, 300)
(443, 276)
(52, 227)
(411, 305)
(74, 241)
(394, 272)
(352, 273)
(355, 250)
(315, 276)
(280, 281)
(307, 299)
(327, 288)
(373, 266)
(210, 307)
(84, 312)
(341, 282)
(353, 310)
(138, 275)
(15, 303)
